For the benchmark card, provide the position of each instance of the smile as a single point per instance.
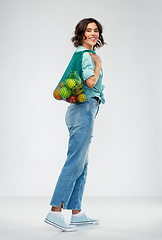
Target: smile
(93, 39)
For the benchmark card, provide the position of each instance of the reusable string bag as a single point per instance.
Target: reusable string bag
(71, 86)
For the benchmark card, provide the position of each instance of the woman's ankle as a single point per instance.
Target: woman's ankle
(56, 209)
(75, 211)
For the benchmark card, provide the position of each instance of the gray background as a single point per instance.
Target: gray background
(35, 46)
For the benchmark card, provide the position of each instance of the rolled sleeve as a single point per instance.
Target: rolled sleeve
(87, 66)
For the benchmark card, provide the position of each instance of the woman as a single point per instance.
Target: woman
(79, 120)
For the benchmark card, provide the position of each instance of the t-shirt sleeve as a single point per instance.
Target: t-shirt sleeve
(87, 66)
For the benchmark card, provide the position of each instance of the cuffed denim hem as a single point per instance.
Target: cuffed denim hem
(65, 207)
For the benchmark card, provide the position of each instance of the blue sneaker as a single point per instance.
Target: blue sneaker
(83, 218)
(60, 222)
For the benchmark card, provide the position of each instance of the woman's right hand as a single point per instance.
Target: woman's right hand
(96, 58)
(91, 82)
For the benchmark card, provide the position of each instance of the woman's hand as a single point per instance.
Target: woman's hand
(91, 82)
(96, 58)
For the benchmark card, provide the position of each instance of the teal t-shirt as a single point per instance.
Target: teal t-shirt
(88, 71)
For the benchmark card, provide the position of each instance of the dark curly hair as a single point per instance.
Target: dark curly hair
(80, 29)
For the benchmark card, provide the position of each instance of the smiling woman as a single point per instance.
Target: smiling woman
(91, 36)
(80, 119)
(86, 26)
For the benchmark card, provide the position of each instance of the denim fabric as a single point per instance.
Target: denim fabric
(71, 182)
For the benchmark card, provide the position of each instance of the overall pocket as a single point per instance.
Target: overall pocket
(73, 114)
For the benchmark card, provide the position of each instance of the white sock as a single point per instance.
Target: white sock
(56, 214)
(78, 214)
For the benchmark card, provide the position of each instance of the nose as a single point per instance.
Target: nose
(93, 34)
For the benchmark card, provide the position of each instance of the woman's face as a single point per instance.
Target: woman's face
(92, 35)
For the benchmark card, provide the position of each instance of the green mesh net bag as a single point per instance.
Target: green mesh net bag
(71, 86)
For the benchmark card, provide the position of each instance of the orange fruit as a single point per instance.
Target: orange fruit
(56, 94)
